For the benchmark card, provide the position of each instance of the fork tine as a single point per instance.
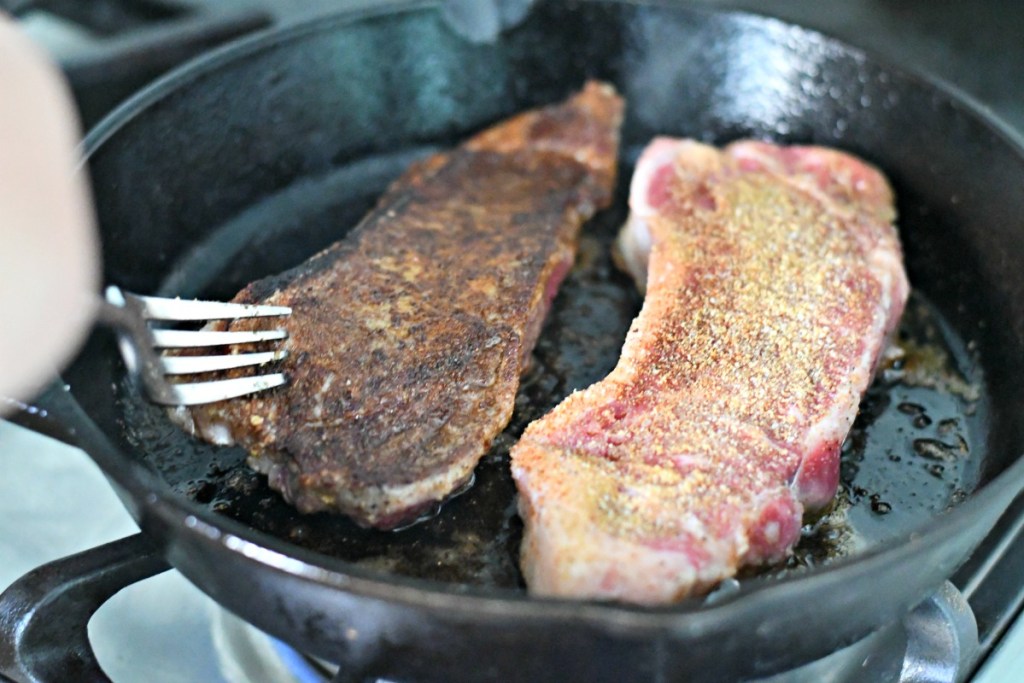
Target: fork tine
(156, 308)
(183, 365)
(128, 314)
(197, 393)
(176, 339)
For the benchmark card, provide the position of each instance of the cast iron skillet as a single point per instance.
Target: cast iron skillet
(252, 158)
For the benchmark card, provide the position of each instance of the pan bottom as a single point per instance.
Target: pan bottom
(914, 451)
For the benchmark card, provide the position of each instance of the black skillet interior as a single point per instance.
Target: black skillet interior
(251, 164)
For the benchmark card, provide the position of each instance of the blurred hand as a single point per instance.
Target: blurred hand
(49, 257)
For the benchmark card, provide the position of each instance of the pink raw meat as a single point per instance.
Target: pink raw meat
(773, 278)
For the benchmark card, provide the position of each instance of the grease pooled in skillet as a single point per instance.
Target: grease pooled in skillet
(888, 485)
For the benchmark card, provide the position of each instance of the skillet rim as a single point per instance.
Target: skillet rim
(690, 616)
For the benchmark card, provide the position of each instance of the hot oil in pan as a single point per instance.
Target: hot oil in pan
(911, 454)
(912, 450)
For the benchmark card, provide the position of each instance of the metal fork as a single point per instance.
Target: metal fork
(130, 315)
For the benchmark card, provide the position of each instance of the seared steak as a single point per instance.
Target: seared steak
(408, 337)
(773, 277)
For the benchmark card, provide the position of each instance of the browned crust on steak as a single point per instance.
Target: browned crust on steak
(408, 337)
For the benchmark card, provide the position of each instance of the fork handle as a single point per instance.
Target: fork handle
(54, 413)
(134, 337)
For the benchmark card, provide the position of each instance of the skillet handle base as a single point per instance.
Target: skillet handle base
(943, 641)
(44, 615)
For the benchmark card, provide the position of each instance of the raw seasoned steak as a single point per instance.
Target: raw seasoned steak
(408, 337)
(773, 278)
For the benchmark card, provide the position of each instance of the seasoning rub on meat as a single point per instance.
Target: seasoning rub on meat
(773, 277)
(408, 337)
